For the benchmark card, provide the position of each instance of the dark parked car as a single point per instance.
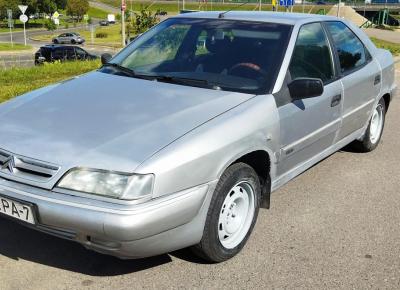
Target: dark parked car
(51, 53)
(104, 23)
(162, 13)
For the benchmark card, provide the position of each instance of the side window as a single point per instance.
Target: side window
(58, 54)
(311, 56)
(80, 52)
(70, 52)
(350, 49)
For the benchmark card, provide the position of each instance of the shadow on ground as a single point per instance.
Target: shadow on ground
(18, 242)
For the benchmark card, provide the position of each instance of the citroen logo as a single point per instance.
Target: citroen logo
(9, 164)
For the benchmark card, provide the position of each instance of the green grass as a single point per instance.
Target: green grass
(113, 38)
(97, 13)
(394, 48)
(16, 46)
(17, 81)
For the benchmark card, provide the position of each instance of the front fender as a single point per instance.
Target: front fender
(203, 154)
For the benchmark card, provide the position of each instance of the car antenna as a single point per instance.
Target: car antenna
(221, 15)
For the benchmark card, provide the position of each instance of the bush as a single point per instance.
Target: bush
(50, 25)
(101, 35)
(144, 20)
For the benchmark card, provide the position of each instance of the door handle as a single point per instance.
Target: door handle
(336, 100)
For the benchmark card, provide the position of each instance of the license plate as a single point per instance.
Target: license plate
(16, 209)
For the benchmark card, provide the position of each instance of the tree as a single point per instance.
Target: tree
(77, 8)
(144, 20)
(8, 4)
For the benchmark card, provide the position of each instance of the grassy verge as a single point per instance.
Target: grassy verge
(394, 48)
(17, 81)
(97, 13)
(113, 36)
(16, 46)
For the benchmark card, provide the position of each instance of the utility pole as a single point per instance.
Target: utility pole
(259, 8)
(338, 9)
(123, 8)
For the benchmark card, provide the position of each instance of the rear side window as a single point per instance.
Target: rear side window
(350, 49)
(311, 56)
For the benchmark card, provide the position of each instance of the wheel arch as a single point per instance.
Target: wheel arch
(387, 98)
(260, 161)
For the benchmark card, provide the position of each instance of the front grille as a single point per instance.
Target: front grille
(27, 168)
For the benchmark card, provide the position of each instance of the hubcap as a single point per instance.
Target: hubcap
(236, 215)
(376, 124)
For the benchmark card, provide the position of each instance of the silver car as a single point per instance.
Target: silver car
(69, 37)
(180, 138)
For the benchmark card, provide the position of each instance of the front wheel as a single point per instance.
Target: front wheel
(232, 214)
(374, 130)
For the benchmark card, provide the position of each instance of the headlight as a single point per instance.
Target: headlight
(109, 184)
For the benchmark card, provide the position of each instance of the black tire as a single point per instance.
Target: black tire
(366, 144)
(73, 41)
(55, 41)
(210, 248)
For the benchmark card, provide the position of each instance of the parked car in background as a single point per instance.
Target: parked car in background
(172, 144)
(111, 18)
(69, 37)
(104, 23)
(54, 52)
(162, 13)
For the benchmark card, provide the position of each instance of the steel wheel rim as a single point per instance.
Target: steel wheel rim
(236, 215)
(376, 125)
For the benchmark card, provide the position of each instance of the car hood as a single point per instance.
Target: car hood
(106, 121)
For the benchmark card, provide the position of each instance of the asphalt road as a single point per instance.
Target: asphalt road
(335, 226)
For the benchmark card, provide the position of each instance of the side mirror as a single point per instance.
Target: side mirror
(303, 88)
(105, 58)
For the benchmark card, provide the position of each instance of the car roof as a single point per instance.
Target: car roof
(264, 16)
(53, 46)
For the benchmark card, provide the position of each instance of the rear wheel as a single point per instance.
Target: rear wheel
(55, 41)
(73, 41)
(232, 214)
(374, 131)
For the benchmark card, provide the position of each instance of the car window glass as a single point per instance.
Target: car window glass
(80, 51)
(350, 49)
(201, 47)
(311, 56)
(58, 53)
(70, 53)
(162, 47)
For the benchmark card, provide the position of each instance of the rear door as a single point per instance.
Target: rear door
(360, 76)
(309, 126)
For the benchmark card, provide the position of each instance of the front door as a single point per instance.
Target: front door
(309, 126)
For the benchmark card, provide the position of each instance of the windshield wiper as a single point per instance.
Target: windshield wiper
(185, 81)
(121, 68)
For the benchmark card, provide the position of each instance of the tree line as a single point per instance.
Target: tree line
(73, 7)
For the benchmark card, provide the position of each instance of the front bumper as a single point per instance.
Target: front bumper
(126, 231)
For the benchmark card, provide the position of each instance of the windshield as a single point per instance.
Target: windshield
(240, 56)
